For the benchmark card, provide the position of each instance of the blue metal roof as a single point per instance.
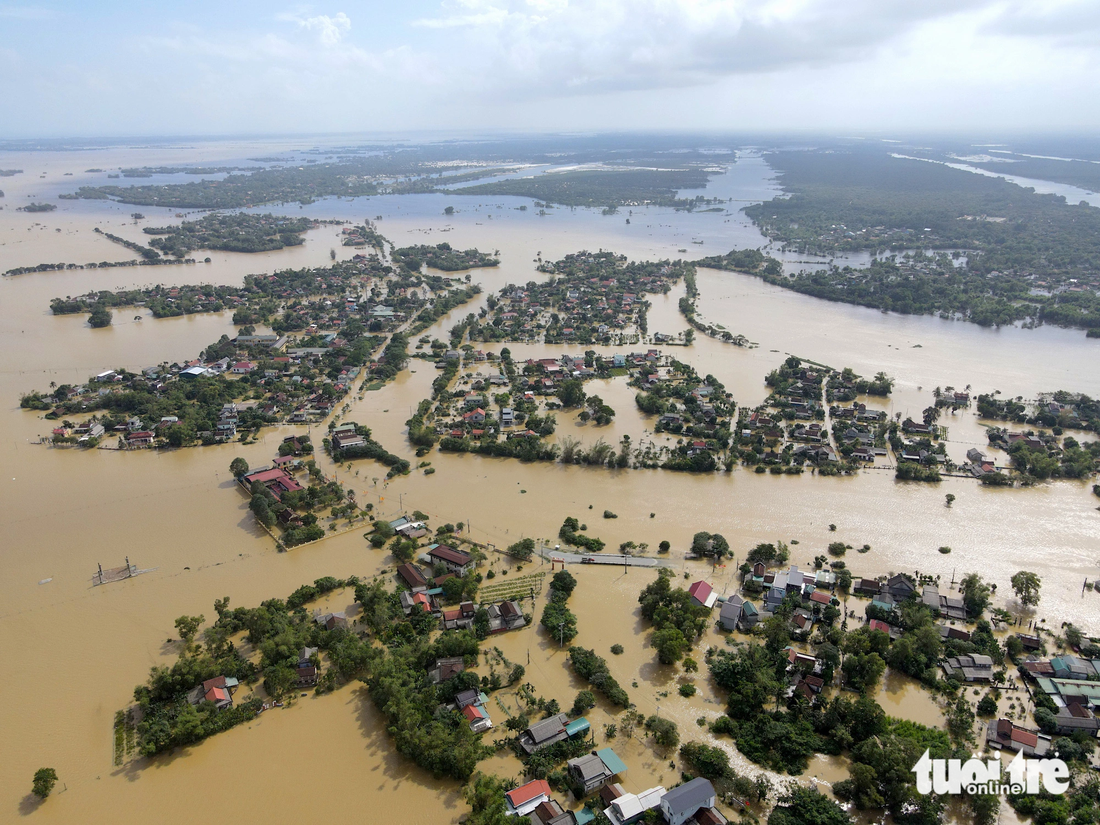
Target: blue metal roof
(611, 759)
(577, 726)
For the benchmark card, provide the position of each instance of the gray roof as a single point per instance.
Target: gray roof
(589, 767)
(731, 610)
(547, 728)
(466, 697)
(689, 797)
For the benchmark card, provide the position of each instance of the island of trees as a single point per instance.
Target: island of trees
(240, 232)
(442, 256)
(604, 187)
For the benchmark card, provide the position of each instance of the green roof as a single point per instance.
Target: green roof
(611, 759)
(577, 726)
(1071, 687)
(584, 816)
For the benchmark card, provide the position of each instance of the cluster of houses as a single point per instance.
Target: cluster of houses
(814, 592)
(304, 382)
(424, 595)
(692, 803)
(886, 596)
(702, 412)
(790, 424)
(278, 480)
(540, 380)
(1072, 683)
(594, 295)
(978, 463)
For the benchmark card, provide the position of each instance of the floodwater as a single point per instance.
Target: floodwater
(80, 650)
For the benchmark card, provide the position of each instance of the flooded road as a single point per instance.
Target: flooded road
(82, 649)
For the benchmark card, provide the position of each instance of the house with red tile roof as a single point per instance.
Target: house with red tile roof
(477, 717)
(1006, 734)
(702, 594)
(524, 799)
(454, 560)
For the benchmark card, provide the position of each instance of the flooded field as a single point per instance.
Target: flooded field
(82, 649)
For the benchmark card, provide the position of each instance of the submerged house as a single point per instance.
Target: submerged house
(689, 800)
(523, 800)
(595, 769)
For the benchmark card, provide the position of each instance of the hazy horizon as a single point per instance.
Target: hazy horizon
(511, 67)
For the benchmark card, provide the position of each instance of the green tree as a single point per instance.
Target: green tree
(665, 733)
(180, 435)
(486, 798)
(189, 724)
(44, 780)
(1026, 586)
(710, 544)
(706, 761)
(238, 467)
(188, 626)
(261, 508)
(564, 583)
(806, 806)
(571, 393)
(522, 549)
(586, 700)
(975, 594)
(383, 532)
(100, 317)
(1046, 720)
(670, 645)
(862, 671)
(960, 720)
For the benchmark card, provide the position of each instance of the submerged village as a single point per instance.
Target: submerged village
(782, 649)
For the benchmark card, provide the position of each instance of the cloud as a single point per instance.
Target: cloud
(1068, 22)
(599, 45)
(330, 29)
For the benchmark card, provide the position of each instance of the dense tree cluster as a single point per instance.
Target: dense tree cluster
(234, 232)
(868, 200)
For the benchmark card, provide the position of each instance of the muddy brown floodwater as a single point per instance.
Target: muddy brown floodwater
(79, 650)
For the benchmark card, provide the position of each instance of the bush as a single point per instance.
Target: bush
(670, 645)
(617, 649)
(837, 548)
(987, 706)
(44, 780)
(563, 583)
(687, 689)
(522, 549)
(665, 733)
(586, 700)
(1046, 721)
(559, 621)
(706, 761)
(594, 670)
(609, 514)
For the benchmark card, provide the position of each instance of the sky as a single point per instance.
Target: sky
(465, 66)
